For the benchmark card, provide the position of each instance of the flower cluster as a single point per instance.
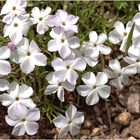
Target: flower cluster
(74, 60)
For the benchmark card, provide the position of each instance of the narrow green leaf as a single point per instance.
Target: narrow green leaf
(128, 43)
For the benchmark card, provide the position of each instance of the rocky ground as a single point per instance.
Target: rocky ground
(119, 118)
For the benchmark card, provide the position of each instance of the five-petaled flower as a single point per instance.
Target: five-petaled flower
(30, 55)
(17, 97)
(40, 17)
(71, 122)
(94, 87)
(24, 121)
(64, 21)
(57, 86)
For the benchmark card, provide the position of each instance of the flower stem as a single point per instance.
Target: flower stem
(106, 104)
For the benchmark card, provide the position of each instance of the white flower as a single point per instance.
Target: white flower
(13, 50)
(88, 54)
(5, 67)
(13, 8)
(17, 97)
(71, 122)
(96, 43)
(24, 121)
(64, 21)
(95, 87)
(30, 55)
(18, 27)
(133, 60)
(136, 18)
(120, 33)
(118, 79)
(40, 17)
(62, 42)
(4, 85)
(57, 86)
(65, 69)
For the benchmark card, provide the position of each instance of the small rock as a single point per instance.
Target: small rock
(96, 131)
(85, 132)
(133, 103)
(88, 123)
(84, 137)
(125, 133)
(135, 128)
(131, 138)
(4, 136)
(124, 118)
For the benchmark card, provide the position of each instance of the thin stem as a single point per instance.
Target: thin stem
(106, 104)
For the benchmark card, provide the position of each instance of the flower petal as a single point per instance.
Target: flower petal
(51, 89)
(11, 122)
(31, 128)
(104, 91)
(53, 45)
(61, 75)
(104, 49)
(71, 112)
(60, 121)
(28, 103)
(83, 90)
(25, 91)
(79, 118)
(114, 37)
(68, 86)
(74, 129)
(102, 38)
(93, 36)
(89, 78)
(79, 64)
(60, 94)
(19, 129)
(63, 131)
(115, 65)
(119, 27)
(131, 69)
(101, 78)
(4, 85)
(4, 52)
(39, 59)
(34, 47)
(13, 89)
(5, 67)
(64, 51)
(57, 64)
(92, 98)
(27, 65)
(74, 42)
(33, 115)
(72, 76)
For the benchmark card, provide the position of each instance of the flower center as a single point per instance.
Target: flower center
(17, 98)
(95, 45)
(59, 84)
(23, 120)
(94, 87)
(62, 40)
(68, 67)
(14, 8)
(15, 25)
(40, 18)
(63, 23)
(28, 53)
(125, 34)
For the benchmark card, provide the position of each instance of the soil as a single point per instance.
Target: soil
(98, 123)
